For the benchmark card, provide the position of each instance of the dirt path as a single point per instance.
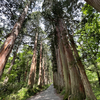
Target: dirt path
(48, 94)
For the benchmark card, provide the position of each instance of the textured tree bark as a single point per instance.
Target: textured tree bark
(77, 89)
(40, 69)
(43, 71)
(65, 65)
(65, 70)
(9, 42)
(94, 3)
(31, 78)
(48, 74)
(59, 71)
(35, 70)
(54, 79)
(88, 89)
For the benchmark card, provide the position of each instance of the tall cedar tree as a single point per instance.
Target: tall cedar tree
(31, 78)
(40, 67)
(86, 83)
(10, 40)
(77, 89)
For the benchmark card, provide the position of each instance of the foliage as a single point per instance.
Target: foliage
(87, 36)
(89, 45)
(19, 92)
(92, 76)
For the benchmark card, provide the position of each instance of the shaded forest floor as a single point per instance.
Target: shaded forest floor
(19, 91)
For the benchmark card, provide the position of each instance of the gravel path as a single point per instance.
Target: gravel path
(48, 94)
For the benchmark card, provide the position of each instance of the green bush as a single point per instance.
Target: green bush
(18, 91)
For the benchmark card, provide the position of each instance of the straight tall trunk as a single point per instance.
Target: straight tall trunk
(77, 89)
(55, 80)
(10, 40)
(65, 69)
(63, 58)
(40, 69)
(31, 78)
(43, 71)
(61, 72)
(48, 74)
(88, 89)
(46, 78)
(58, 87)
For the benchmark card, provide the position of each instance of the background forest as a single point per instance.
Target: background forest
(44, 42)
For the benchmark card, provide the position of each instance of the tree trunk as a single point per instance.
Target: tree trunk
(61, 71)
(43, 71)
(76, 83)
(77, 88)
(9, 42)
(31, 78)
(47, 74)
(94, 3)
(88, 90)
(58, 87)
(40, 69)
(55, 80)
(65, 70)
(65, 65)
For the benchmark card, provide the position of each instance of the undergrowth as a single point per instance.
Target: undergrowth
(18, 91)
